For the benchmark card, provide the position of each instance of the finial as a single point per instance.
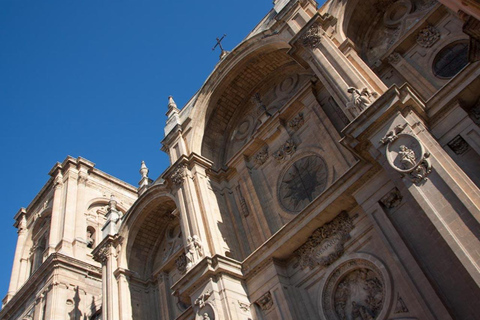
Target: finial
(171, 103)
(144, 170)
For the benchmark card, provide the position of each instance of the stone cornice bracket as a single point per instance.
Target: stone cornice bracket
(82, 177)
(58, 183)
(179, 174)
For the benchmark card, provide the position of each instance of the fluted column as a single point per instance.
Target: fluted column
(22, 235)
(125, 303)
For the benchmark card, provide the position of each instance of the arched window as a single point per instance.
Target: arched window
(451, 60)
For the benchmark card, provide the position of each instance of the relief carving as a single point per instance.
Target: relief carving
(287, 149)
(392, 135)
(304, 180)
(392, 199)
(406, 155)
(194, 251)
(181, 263)
(459, 145)
(312, 37)
(428, 36)
(200, 301)
(265, 302)
(394, 58)
(262, 156)
(354, 291)
(178, 176)
(297, 122)
(326, 244)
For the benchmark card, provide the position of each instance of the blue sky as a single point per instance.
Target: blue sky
(91, 78)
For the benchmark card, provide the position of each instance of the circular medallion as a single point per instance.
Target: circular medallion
(405, 153)
(304, 181)
(396, 12)
(356, 289)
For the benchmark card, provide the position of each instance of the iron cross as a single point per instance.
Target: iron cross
(219, 43)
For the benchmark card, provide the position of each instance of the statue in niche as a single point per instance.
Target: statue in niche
(90, 240)
(407, 157)
(206, 316)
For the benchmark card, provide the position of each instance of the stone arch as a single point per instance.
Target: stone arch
(210, 101)
(222, 100)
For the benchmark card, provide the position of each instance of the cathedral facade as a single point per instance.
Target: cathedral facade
(328, 169)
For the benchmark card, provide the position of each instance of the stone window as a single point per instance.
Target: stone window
(450, 60)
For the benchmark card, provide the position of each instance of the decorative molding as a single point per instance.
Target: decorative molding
(428, 36)
(265, 302)
(262, 156)
(312, 37)
(392, 199)
(178, 176)
(326, 244)
(459, 145)
(297, 122)
(392, 135)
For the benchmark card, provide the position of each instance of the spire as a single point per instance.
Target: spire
(172, 114)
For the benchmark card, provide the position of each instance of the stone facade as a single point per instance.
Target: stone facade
(327, 169)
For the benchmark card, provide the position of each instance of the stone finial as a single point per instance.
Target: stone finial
(171, 103)
(145, 181)
(112, 204)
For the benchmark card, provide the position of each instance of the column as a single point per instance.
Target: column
(125, 302)
(55, 226)
(69, 220)
(80, 220)
(165, 295)
(106, 254)
(22, 235)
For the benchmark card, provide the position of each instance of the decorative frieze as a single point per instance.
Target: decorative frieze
(265, 302)
(459, 145)
(428, 36)
(312, 37)
(326, 244)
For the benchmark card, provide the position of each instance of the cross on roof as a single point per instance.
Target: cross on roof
(219, 44)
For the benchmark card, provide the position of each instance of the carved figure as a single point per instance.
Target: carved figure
(206, 316)
(408, 159)
(90, 241)
(190, 254)
(197, 244)
(360, 100)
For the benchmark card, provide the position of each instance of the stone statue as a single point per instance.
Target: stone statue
(360, 100)
(90, 241)
(206, 316)
(190, 254)
(407, 157)
(198, 246)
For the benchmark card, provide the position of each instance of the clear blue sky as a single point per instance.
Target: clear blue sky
(91, 78)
